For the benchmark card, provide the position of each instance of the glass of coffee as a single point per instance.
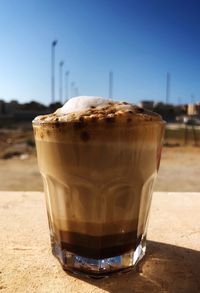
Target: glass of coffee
(98, 159)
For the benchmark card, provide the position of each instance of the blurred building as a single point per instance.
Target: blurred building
(11, 107)
(16, 112)
(192, 110)
(2, 107)
(147, 105)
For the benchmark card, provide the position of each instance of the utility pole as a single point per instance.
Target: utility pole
(53, 45)
(67, 85)
(61, 80)
(168, 81)
(192, 99)
(110, 86)
(76, 91)
(72, 89)
(179, 100)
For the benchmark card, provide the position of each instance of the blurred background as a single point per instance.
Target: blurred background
(145, 52)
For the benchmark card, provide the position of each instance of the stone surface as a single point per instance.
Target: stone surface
(172, 262)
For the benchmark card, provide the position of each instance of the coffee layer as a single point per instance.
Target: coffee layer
(97, 247)
(103, 184)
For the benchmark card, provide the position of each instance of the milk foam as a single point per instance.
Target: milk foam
(82, 103)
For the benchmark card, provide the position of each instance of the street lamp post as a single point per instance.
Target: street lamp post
(61, 80)
(76, 91)
(53, 45)
(168, 81)
(66, 85)
(72, 89)
(110, 89)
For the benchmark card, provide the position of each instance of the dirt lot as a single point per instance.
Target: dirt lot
(179, 169)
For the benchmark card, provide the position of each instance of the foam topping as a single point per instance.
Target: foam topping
(82, 103)
(87, 109)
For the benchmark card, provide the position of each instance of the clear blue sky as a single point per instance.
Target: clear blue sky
(138, 40)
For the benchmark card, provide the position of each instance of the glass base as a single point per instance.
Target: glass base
(99, 268)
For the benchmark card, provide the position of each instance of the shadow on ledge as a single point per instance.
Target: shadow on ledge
(165, 268)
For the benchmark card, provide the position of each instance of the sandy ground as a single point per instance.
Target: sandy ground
(179, 171)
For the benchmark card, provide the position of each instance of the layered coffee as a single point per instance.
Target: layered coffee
(98, 159)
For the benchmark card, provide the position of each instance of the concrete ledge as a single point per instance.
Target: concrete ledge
(172, 263)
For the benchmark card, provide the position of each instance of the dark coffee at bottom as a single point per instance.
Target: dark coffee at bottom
(97, 247)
